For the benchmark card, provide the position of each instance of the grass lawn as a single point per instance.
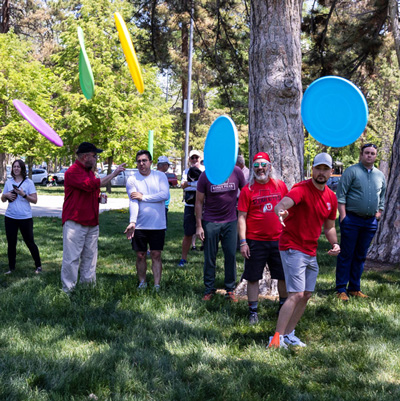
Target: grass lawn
(113, 342)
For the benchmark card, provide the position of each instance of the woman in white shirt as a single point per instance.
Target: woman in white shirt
(20, 192)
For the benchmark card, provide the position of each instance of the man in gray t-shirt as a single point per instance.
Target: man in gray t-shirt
(216, 220)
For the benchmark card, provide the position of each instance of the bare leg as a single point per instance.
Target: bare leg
(186, 243)
(156, 266)
(291, 311)
(194, 240)
(141, 266)
(252, 291)
(298, 312)
(282, 289)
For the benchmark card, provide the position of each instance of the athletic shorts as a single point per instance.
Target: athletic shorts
(301, 270)
(189, 221)
(155, 239)
(261, 253)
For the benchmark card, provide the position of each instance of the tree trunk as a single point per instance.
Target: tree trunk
(386, 246)
(5, 17)
(275, 89)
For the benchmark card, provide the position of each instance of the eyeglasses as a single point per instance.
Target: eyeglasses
(262, 164)
(142, 161)
(369, 145)
(96, 156)
(194, 157)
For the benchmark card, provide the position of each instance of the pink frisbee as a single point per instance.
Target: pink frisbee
(37, 122)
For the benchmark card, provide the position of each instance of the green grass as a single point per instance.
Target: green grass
(119, 344)
(117, 192)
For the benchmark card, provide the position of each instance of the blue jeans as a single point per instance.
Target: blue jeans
(356, 236)
(213, 233)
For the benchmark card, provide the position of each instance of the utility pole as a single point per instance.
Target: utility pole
(188, 102)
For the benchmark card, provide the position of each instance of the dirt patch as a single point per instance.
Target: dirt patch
(372, 265)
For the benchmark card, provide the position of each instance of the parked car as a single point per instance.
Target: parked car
(121, 178)
(172, 180)
(59, 176)
(333, 182)
(39, 176)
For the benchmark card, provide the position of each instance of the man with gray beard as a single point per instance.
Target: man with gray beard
(259, 230)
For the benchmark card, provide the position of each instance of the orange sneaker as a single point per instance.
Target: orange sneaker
(231, 296)
(342, 296)
(207, 297)
(358, 294)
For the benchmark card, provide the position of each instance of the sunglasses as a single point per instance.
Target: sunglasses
(369, 145)
(262, 164)
(194, 157)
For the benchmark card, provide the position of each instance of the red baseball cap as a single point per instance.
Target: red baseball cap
(261, 155)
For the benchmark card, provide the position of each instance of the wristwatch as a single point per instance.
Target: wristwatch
(25, 196)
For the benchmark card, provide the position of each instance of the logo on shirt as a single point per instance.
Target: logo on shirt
(226, 187)
(267, 207)
(328, 204)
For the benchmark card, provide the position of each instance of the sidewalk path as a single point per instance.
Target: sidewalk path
(51, 206)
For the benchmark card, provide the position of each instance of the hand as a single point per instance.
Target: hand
(19, 191)
(335, 250)
(245, 251)
(12, 195)
(341, 219)
(378, 215)
(119, 168)
(184, 184)
(200, 233)
(136, 195)
(130, 231)
(282, 214)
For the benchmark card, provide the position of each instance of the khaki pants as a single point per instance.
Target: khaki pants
(79, 253)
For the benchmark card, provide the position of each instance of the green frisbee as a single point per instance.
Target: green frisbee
(85, 71)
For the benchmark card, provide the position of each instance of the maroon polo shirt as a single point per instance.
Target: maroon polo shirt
(82, 190)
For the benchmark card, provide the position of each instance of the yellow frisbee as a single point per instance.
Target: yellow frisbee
(129, 51)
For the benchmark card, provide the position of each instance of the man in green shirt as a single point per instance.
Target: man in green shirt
(361, 200)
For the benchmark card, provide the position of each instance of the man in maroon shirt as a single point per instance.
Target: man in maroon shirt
(218, 223)
(80, 217)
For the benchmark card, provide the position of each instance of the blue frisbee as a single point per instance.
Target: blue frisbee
(334, 111)
(221, 150)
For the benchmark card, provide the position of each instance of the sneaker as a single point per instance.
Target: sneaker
(142, 285)
(358, 294)
(182, 263)
(157, 288)
(231, 296)
(273, 343)
(342, 296)
(253, 318)
(291, 339)
(193, 248)
(38, 270)
(208, 297)
(9, 272)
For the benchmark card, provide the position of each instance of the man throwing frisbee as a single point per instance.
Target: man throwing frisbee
(309, 205)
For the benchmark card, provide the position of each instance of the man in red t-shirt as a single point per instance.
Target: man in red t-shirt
(80, 217)
(259, 230)
(312, 204)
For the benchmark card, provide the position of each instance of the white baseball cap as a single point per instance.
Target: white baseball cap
(163, 159)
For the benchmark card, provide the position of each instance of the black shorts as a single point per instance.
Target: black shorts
(261, 253)
(189, 221)
(155, 239)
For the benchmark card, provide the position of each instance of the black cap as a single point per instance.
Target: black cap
(86, 147)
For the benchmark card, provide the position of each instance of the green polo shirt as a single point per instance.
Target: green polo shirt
(361, 190)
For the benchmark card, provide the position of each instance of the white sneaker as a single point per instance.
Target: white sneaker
(281, 342)
(291, 339)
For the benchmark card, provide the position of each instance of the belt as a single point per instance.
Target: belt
(360, 216)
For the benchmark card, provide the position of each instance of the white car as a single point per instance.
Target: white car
(39, 176)
(121, 178)
(59, 176)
